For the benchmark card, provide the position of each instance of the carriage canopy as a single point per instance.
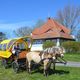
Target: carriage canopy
(6, 45)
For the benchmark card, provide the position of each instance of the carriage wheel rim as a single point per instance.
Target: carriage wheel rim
(5, 64)
(15, 67)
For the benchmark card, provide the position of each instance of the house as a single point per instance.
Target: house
(51, 30)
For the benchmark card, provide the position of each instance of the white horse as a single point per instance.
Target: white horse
(38, 57)
(56, 52)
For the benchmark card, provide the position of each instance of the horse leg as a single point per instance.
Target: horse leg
(45, 69)
(53, 62)
(45, 73)
(54, 66)
(26, 64)
(29, 66)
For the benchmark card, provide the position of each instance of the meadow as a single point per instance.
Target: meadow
(72, 57)
(61, 72)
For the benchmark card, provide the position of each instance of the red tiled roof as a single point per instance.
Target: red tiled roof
(52, 35)
(51, 29)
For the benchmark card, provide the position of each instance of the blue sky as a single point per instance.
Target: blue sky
(18, 13)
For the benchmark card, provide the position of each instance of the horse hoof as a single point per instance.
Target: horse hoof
(46, 75)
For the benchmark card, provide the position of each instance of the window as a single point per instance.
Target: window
(28, 41)
(38, 42)
(22, 46)
(4, 47)
(0, 46)
(10, 43)
(62, 31)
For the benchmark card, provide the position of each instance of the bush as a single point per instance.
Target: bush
(71, 46)
(48, 44)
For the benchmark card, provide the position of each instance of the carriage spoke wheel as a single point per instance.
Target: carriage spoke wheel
(15, 66)
(4, 63)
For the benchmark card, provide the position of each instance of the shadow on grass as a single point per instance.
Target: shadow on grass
(51, 71)
(38, 69)
(60, 72)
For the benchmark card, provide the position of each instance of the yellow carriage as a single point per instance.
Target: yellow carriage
(8, 58)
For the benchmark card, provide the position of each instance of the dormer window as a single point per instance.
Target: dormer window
(50, 30)
(62, 31)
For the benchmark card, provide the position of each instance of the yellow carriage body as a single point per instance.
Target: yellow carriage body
(6, 47)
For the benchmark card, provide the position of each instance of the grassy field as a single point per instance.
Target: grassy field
(61, 73)
(72, 57)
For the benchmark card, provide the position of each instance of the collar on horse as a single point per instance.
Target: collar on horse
(41, 56)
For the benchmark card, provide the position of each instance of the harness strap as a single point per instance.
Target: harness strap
(42, 58)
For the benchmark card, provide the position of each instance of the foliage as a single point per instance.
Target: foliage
(69, 17)
(26, 30)
(23, 31)
(78, 35)
(48, 44)
(39, 23)
(71, 46)
(2, 36)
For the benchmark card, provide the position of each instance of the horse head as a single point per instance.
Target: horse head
(60, 51)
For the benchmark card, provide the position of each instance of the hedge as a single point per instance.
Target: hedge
(48, 44)
(72, 46)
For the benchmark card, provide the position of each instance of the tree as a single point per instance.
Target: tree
(2, 36)
(26, 31)
(23, 31)
(69, 17)
(39, 23)
(78, 35)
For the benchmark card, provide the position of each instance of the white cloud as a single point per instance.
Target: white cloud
(15, 25)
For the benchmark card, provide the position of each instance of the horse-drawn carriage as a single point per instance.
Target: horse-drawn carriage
(8, 58)
(46, 56)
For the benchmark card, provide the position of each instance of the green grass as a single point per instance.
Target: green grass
(72, 57)
(61, 73)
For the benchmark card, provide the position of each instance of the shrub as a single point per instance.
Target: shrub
(71, 46)
(48, 44)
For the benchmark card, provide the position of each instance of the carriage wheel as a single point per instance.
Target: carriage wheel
(4, 63)
(15, 66)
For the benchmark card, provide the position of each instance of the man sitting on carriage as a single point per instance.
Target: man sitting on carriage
(16, 50)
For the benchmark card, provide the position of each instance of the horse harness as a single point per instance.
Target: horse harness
(42, 59)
